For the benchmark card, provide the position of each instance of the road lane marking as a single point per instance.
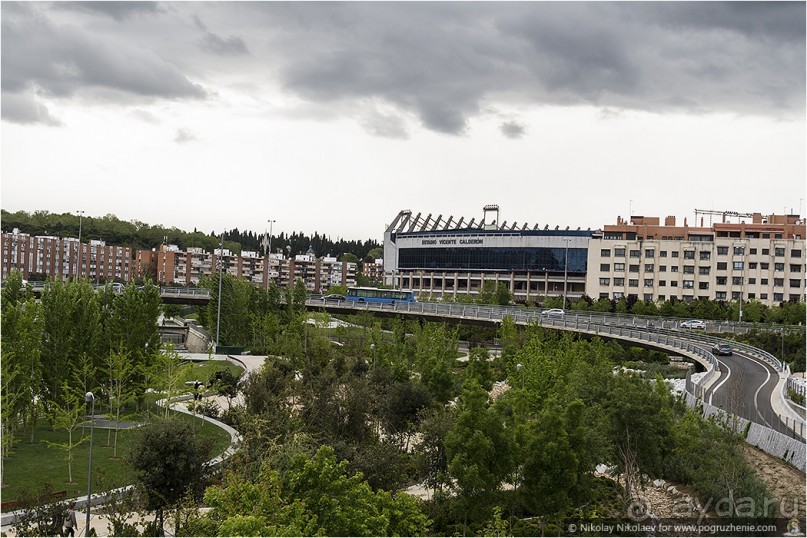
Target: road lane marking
(714, 389)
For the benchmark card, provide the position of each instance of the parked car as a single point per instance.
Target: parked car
(722, 349)
(553, 312)
(334, 297)
(693, 324)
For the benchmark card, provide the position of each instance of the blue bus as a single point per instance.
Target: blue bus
(377, 295)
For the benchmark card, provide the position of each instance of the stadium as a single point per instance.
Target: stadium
(439, 258)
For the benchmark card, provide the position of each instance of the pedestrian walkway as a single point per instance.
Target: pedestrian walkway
(98, 521)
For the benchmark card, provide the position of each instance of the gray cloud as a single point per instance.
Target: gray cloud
(64, 60)
(119, 11)
(224, 46)
(23, 108)
(183, 136)
(441, 63)
(513, 129)
(385, 125)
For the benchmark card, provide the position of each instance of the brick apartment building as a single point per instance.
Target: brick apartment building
(64, 258)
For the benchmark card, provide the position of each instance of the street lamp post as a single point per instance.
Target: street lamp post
(218, 309)
(520, 368)
(269, 252)
(565, 270)
(80, 217)
(89, 398)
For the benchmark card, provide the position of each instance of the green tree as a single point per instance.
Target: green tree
(119, 372)
(168, 457)
(71, 327)
(67, 415)
(478, 450)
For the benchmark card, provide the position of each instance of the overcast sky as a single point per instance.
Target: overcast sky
(332, 117)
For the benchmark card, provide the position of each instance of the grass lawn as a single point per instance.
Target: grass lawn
(33, 465)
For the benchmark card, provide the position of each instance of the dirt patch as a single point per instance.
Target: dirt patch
(783, 480)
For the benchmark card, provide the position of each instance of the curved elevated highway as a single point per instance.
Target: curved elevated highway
(749, 384)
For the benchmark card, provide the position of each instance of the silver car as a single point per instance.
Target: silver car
(693, 324)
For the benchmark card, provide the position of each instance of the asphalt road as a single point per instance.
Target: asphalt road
(745, 387)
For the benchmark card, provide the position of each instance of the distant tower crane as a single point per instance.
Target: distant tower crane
(723, 214)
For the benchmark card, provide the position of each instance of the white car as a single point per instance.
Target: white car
(693, 324)
(553, 312)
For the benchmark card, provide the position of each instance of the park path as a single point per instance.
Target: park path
(98, 521)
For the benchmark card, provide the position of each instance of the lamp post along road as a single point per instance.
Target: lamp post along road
(78, 262)
(218, 309)
(565, 270)
(89, 398)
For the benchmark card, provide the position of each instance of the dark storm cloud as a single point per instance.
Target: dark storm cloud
(441, 63)
(46, 59)
(512, 129)
(117, 10)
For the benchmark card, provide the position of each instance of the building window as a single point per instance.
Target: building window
(618, 295)
(779, 251)
(649, 252)
(673, 268)
(662, 268)
(634, 268)
(737, 280)
(605, 267)
(703, 285)
(675, 254)
(738, 266)
(795, 283)
(689, 269)
(662, 283)
(619, 267)
(633, 283)
(739, 250)
(795, 268)
(704, 270)
(752, 296)
(778, 267)
(764, 266)
(705, 255)
(662, 254)
(635, 253)
(649, 267)
(752, 251)
(605, 282)
(605, 253)
(778, 282)
(795, 253)
(648, 282)
(766, 251)
(752, 280)
(752, 265)
(689, 284)
(779, 297)
(722, 251)
(619, 252)
(619, 282)
(689, 254)
(763, 281)
(674, 283)
(720, 296)
(736, 295)
(763, 296)
(722, 266)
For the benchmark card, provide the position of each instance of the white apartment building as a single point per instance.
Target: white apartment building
(762, 259)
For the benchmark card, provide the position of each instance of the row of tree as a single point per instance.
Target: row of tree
(73, 341)
(140, 235)
(378, 408)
